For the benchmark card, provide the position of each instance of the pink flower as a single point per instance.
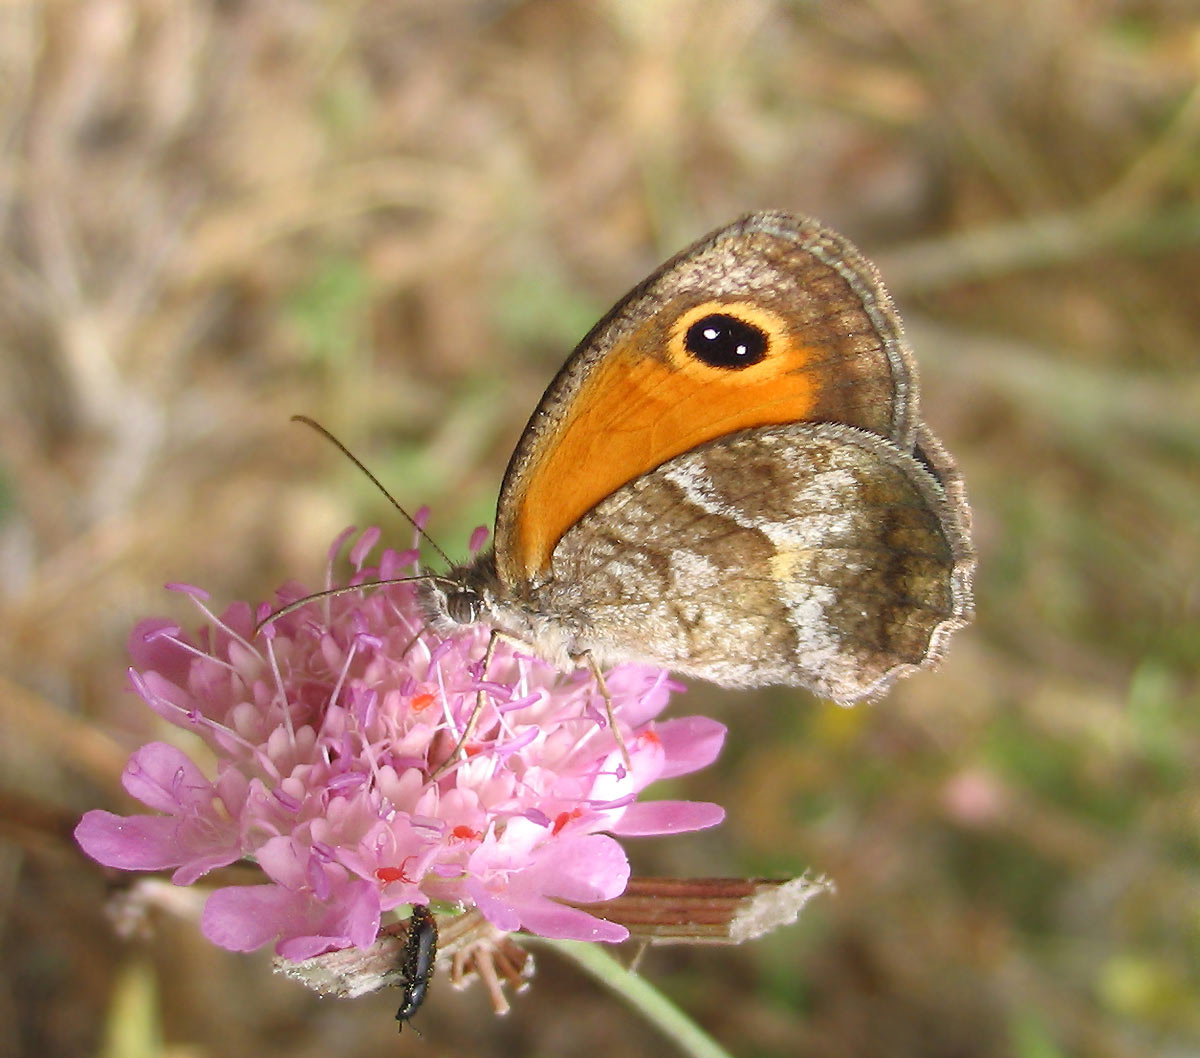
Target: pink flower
(332, 732)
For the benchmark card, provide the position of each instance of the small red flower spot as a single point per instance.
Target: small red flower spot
(422, 701)
(564, 818)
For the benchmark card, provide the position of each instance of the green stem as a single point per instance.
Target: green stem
(641, 995)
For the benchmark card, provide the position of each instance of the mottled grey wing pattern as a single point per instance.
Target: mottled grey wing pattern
(809, 554)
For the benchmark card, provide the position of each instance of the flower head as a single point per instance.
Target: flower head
(332, 732)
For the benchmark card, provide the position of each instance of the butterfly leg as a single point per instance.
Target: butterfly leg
(586, 658)
(459, 750)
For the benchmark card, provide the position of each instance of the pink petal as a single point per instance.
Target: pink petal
(238, 617)
(667, 817)
(284, 861)
(587, 868)
(150, 650)
(169, 699)
(245, 917)
(690, 743)
(582, 868)
(499, 912)
(165, 778)
(131, 843)
(641, 692)
(351, 922)
(548, 919)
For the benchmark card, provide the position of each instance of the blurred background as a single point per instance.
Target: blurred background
(398, 217)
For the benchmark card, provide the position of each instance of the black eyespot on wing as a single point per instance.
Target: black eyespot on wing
(721, 340)
(419, 954)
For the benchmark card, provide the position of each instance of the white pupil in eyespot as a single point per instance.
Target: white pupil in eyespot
(712, 334)
(724, 341)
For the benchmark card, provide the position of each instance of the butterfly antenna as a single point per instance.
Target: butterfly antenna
(344, 589)
(373, 479)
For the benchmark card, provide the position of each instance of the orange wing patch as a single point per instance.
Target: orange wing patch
(644, 403)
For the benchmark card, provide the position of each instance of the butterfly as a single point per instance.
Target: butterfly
(730, 478)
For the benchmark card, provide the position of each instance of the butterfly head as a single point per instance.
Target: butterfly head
(476, 594)
(463, 605)
(463, 596)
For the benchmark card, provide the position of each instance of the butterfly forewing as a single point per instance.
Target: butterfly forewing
(660, 374)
